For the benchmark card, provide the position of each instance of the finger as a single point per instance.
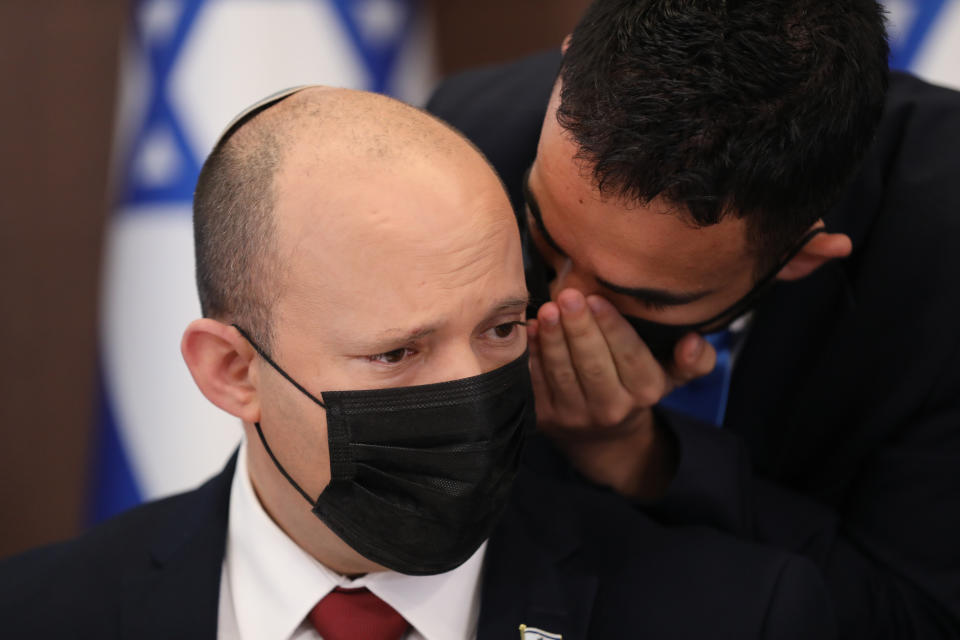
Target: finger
(591, 357)
(558, 370)
(541, 391)
(639, 371)
(693, 357)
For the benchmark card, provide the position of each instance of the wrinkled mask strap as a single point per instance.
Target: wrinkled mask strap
(263, 439)
(280, 468)
(740, 306)
(263, 354)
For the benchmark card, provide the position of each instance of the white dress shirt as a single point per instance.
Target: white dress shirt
(269, 584)
(740, 329)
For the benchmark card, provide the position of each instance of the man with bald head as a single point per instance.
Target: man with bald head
(362, 286)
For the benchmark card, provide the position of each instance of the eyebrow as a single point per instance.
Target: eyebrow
(659, 297)
(391, 337)
(509, 304)
(646, 295)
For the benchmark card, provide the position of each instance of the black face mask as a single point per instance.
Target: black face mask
(420, 475)
(660, 338)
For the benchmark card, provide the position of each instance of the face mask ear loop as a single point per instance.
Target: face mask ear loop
(737, 308)
(280, 466)
(263, 438)
(263, 354)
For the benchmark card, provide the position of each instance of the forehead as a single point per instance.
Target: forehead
(630, 243)
(404, 242)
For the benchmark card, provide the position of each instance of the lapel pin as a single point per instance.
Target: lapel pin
(532, 633)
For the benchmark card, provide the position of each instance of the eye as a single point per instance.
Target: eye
(391, 357)
(507, 329)
(654, 306)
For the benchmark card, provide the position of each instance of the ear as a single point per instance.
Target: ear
(219, 360)
(566, 43)
(819, 250)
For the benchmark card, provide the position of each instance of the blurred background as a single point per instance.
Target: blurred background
(108, 110)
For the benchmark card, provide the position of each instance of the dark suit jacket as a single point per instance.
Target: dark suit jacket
(564, 558)
(842, 434)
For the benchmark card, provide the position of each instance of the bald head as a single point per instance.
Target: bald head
(341, 124)
(312, 150)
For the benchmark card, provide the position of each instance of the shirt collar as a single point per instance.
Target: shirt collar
(275, 584)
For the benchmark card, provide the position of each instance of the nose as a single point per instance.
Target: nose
(455, 363)
(568, 277)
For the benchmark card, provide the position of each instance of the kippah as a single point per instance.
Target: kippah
(260, 105)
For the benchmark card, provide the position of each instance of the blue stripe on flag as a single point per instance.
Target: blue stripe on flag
(161, 119)
(379, 49)
(113, 488)
(904, 51)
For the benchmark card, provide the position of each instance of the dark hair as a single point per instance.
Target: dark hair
(233, 231)
(754, 108)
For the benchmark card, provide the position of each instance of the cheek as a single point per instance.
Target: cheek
(493, 357)
(297, 434)
(277, 496)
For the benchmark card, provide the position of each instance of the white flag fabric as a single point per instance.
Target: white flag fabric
(189, 66)
(926, 39)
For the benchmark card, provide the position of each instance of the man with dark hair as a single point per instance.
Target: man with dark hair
(709, 186)
(363, 290)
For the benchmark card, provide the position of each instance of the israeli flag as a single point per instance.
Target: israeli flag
(925, 39)
(187, 68)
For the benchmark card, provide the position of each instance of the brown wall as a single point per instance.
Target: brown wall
(471, 33)
(57, 77)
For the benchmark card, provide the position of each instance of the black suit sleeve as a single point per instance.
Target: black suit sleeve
(799, 607)
(651, 580)
(890, 558)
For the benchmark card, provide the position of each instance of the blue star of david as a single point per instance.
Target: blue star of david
(162, 122)
(904, 51)
(161, 118)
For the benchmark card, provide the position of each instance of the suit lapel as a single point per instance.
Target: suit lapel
(531, 576)
(179, 596)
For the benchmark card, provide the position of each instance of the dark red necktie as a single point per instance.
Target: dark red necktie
(356, 614)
